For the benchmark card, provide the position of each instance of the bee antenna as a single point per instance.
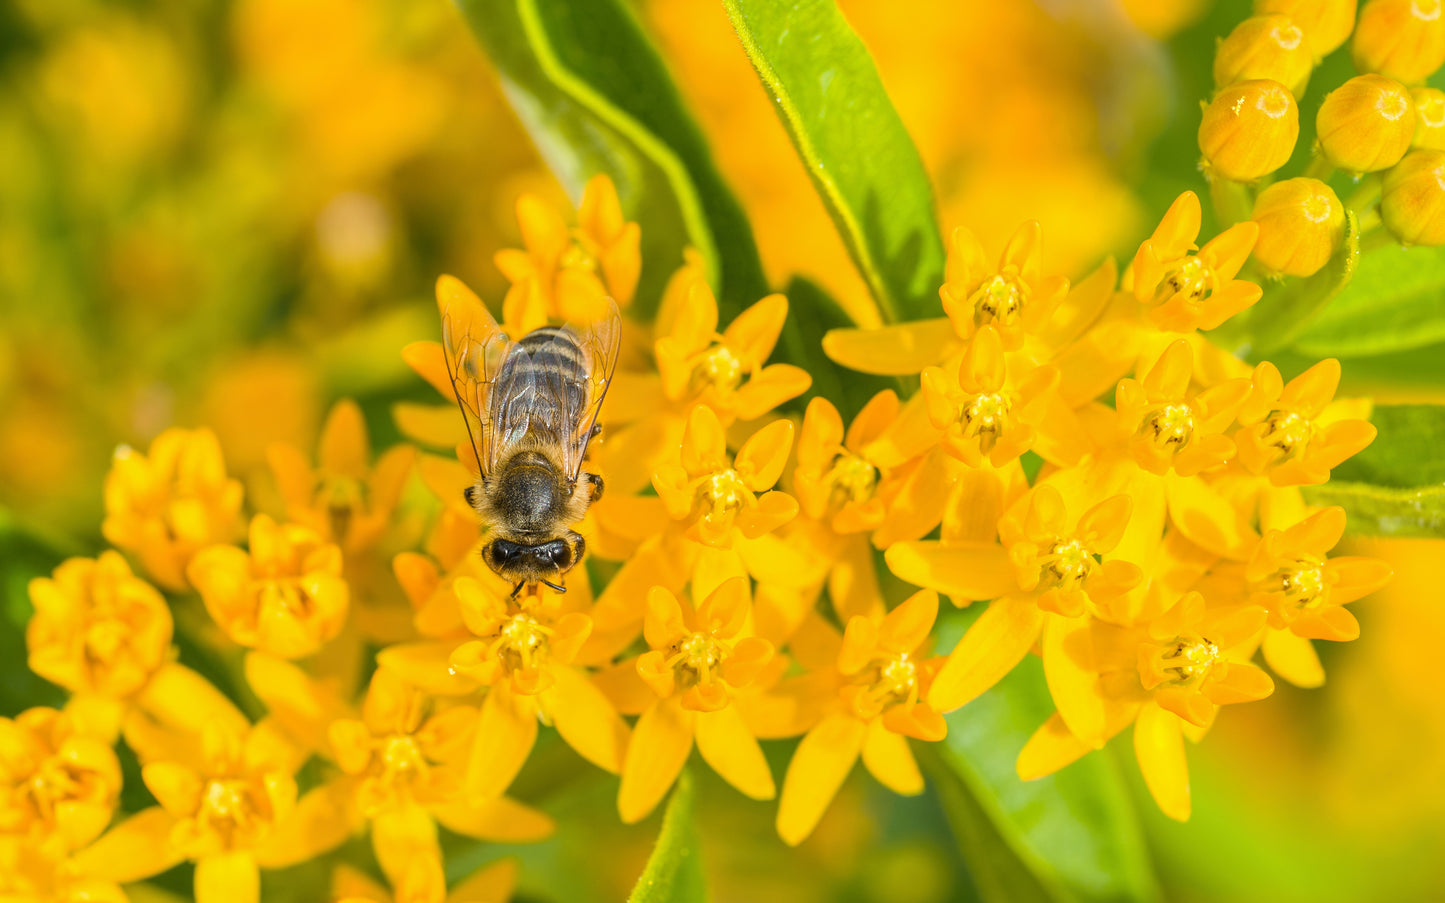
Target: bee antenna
(558, 588)
(516, 590)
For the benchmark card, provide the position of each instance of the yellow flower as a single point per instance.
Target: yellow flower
(1301, 226)
(424, 881)
(34, 875)
(1271, 47)
(1192, 662)
(714, 497)
(1326, 23)
(1400, 39)
(408, 759)
(58, 785)
(1429, 118)
(992, 411)
(1304, 590)
(518, 641)
(574, 271)
(1366, 124)
(1248, 130)
(1015, 298)
(97, 628)
(726, 371)
(835, 480)
(1171, 428)
(345, 500)
(1045, 565)
(285, 595)
(877, 687)
(1413, 203)
(1193, 291)
(171, 502)
(1290, 432)
(698, 660)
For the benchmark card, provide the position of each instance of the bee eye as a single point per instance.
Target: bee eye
(501, 551)
(470, 493)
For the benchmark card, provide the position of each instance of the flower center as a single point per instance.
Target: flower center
(522, 643)
(53, 785)
(984, 419)
(1189, 658)
(1169, 427)
(1000, 300)
(340, 497)
(886, 683)
(696, 659)
(852, 479)
(719, 368)
(401, 756)
(1067, 564)
(105, 637)
(227, 809)
(723, 494)
(1303, 584)
(1191, 278)
(1288, 432)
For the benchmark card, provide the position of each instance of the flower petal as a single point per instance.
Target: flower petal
(322, 820)
(906, 627)
(401, 836)
(1159, 746)
(133, 850)
(730, 748)
(898, 350)
(887, 757)
(661, 741)
(753, 333)
(228, 878)
(819, 767)
(971, 570)
(500, 820)
(585, 718)
(761, 459)
(506, 732)
(1293, 658)
(997, 641)
(1050, 748)
(1072, 675)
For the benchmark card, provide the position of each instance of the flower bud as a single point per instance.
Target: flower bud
(1265, 47)
(1366, 124)
(1301, 225)
(1249, 130)
(1429, 118)
(1413, 203)
(1326, 23)
(1402, 39)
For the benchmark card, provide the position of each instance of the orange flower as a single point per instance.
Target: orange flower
(97, 627)
(713, 497)
(1193, 291)
(698, 660)
(1172, 428)
(285, 596)
(1291, 434)
(876, 704)
(1305, 591)
(58, 785)
(171, 502)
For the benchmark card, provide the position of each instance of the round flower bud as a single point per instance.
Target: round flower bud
(1326, 23)
(1429, 118)
(1301, 225)
(1413, 203)
(1249, 130)
(1403, 39)
(1366, 124)
(1265, 47)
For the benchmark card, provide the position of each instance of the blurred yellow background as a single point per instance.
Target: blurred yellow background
(232, 213)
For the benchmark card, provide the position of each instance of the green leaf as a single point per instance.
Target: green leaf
(674, 873)
(1072, 836)
(811, 313)
(1288, 307)
(830, 99)
(1396, 486)
(595, 96)
(1394, 302)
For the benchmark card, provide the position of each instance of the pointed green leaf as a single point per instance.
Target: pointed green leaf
(1396, 486)
(595, 97)
(1071, 836)
(1395, 301)
(674, 873)
(829, 97)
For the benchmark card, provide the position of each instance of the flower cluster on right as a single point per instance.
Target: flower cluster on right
(1384, 127)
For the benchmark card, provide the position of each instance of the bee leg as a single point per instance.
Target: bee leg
(556, 586)
(517, 590)
(595, 482)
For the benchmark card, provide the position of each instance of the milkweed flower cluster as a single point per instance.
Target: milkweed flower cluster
(1381, 127)
(1113, 493)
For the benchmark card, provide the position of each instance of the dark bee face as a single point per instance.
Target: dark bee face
(517, 559)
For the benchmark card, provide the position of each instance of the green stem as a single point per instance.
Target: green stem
(1233, 201)
(1319, 167)
(1365, 195)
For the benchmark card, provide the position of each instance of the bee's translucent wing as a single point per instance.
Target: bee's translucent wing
(573, 367)
(476, 351)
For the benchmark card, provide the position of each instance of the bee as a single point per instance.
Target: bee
(531, 409)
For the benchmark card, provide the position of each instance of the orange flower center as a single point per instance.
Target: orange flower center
(1188, 658)
(1067, 565)
(53, 784)
(1192, 278)
(229, 811)
(722, 495)
(696, 659)
(1288, 432)
(1168, 428)
(719, 368)
(521, 643)
(1303, 582)
(999, 300)
(885, 683)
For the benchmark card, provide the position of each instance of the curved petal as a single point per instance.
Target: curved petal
(492, 883)
(133, 850)
(997, 641)
(1159, 746)
(661, 741)
(1293, 658)
(900, 350)
(906, 627)
(228, 878)
(586, 719)
(887, 757)
(506, 732)
(402, 836)
(322, 820)
(971, 570)
(1050, 748)
(729, 747)
(761, 459)
(500, 820)
(426, 665)
(1069, 667)
(819, 767)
